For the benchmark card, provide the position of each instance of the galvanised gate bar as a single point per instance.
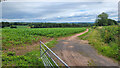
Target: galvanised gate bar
(46, 56)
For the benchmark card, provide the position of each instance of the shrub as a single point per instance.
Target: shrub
(93, 27)
(13, 26)
(109, 34)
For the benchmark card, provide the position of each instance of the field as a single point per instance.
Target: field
(31, 58)
(105, 36)
(22, 36)
(28, 36)
(66, 33)
(107, 40)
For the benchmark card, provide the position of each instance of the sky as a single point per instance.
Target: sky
(57, 10)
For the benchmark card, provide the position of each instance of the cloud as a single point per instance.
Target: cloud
(0, 12)
(62, 0)
(57, 11)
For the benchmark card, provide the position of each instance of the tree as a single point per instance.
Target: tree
(110, 22)
(5, 24)
(103, 16)
(102, 20)
(115, 22)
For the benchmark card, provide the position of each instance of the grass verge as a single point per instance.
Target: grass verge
(83, 36)
(98, 37)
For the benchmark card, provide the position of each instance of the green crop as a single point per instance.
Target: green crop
(23, 36)
(29, 59)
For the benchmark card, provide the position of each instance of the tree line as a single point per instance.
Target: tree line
(55, 25)
(45, 25)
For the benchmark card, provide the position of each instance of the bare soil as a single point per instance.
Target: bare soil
(21, 50)
(76, 52)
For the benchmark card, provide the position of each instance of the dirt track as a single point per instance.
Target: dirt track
(77, 52)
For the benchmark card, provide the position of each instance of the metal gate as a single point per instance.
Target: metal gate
(46, 56)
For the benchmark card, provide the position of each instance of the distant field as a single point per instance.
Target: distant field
(22, 36)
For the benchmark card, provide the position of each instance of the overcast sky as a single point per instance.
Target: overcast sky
(58, 11)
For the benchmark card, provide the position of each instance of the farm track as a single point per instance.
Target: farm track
(76, 52)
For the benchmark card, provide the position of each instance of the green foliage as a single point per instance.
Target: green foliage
(13, 26)
(51, 43)
(93, 27)
(103, 16)
(4, 24)
(106, 41)
(83, 36)
(46, 25)
(10, 53)
(102, 20)
(22, 36)
(22, 26)
(30, 59)
(109, 34)
(55, 25)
